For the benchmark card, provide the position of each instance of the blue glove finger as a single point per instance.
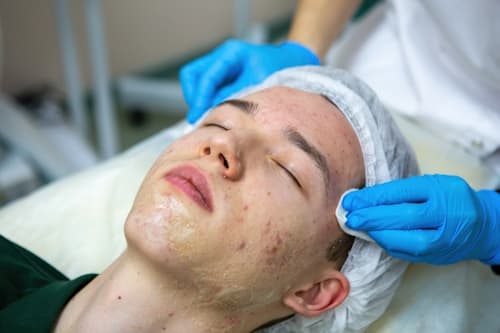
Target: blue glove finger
(428, 259)
(203, 77)
(227, 64)
(194, 115)
(452, 222)
(414, 189)
(229, 90)
(190, 74)
(187, 78)
(406, 216)
(413, 243)
(205, 93)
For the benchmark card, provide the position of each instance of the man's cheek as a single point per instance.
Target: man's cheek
(280, 245)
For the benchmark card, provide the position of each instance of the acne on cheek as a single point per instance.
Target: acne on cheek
(241, 245)
(272, 249)
(232, 321)
(241, 219)
(267, 229)
(226, 196)
(276, 253)
(279, 241)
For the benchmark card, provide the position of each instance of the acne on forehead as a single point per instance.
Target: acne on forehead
(301, 108)
(289, 100)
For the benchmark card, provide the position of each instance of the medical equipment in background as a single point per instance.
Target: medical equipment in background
(148, 94)
(37, 144)
(17, 176)
(105, 120)
(40, 146)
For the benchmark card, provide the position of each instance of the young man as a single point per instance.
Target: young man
(234, 226)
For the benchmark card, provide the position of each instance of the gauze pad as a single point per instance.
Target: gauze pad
(341, 215)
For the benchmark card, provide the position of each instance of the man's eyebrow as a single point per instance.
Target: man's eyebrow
(247, 107)
(319, 159)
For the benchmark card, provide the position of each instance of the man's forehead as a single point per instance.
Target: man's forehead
(275, 97)
(289, 105)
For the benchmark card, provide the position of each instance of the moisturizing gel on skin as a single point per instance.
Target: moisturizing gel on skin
(341, 215)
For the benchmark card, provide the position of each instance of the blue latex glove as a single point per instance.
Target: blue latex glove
(235, 65)
(434, 219)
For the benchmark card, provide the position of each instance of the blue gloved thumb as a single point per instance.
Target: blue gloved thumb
(490, 204)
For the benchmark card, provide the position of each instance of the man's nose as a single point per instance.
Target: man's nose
(223, 148)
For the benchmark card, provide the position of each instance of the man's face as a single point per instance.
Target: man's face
(245, 203)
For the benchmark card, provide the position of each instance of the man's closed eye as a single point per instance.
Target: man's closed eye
(289, 173)
(216, 125)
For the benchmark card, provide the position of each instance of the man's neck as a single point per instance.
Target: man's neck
(130, 296)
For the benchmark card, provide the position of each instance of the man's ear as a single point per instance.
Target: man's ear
(315, 298)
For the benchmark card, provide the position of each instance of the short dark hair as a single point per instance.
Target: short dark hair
(338, 250)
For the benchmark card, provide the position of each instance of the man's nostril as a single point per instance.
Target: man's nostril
(223, 160)
(206, 151)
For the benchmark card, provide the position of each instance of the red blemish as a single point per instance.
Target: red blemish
(279, 241)
(242, 245)
(271, 249)
(267, 228)
(233, 320)
(245, 208)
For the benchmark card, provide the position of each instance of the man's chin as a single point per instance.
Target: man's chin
(168, 232)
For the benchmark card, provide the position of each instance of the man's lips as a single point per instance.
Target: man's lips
(193, 183)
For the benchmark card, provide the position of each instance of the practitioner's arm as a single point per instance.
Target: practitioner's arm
(317, 23)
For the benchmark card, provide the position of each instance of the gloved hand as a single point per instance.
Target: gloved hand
(435, 219)
(235, 65)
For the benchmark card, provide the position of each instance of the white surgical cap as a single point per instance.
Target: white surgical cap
(372, 274)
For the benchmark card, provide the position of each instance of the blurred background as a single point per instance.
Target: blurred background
(82, 80)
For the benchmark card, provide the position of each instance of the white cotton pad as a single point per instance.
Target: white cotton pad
(341, 214)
